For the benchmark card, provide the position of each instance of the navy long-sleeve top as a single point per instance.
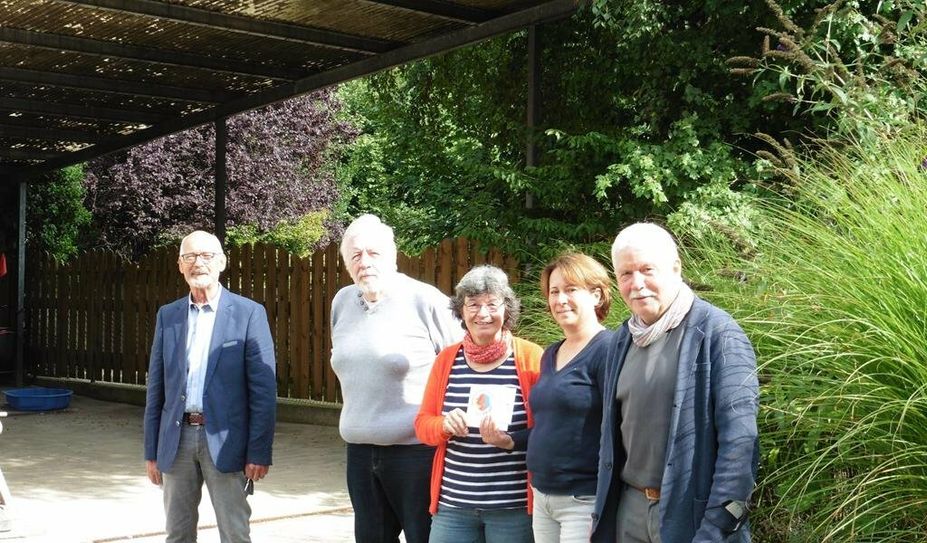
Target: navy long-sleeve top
(563, 448)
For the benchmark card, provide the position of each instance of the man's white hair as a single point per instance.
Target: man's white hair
(645, 235)
(367, 224)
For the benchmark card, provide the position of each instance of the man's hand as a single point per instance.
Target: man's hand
(256, 472)
(154, 474)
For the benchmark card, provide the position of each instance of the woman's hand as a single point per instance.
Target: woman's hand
(455, 423)
(492, 435)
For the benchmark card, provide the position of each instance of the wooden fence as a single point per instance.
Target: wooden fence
(93, 317)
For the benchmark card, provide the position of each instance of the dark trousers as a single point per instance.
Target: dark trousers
(390, 488)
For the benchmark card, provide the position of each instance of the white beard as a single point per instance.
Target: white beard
(376, 287)
(200, 281)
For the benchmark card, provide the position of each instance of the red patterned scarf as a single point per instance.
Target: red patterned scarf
(486, 354)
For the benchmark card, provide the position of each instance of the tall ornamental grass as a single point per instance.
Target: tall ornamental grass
(834, 298)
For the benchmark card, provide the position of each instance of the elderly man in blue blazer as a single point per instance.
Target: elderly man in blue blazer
(679, 450)
(211, 403)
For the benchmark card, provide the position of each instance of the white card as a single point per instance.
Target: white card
(497, 401)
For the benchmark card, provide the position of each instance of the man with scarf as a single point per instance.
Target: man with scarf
(679, 450)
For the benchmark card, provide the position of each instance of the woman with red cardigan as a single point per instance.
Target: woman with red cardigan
(476, 412)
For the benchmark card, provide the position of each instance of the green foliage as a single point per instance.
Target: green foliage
(858, 67)
(833, 301)
(639, 117)
(426, 178)
(279, 169)
(300, 237)
(56, 216)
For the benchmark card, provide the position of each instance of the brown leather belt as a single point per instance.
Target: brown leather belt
(194, 419)
(652, 494)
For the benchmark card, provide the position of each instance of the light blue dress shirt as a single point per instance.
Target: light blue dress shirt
(200, 322)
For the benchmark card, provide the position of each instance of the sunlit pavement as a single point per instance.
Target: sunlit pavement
(78, 475)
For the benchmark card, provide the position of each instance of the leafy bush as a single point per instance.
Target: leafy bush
(279, 167)
(300, 237)
(860, 65)
(56, 217)
(638, 117)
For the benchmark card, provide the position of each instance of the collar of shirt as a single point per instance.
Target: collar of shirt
(213, 302)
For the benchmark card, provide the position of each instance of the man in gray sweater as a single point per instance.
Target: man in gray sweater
(386, 330)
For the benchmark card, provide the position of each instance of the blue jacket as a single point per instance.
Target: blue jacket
(239, 392)
(712, 449)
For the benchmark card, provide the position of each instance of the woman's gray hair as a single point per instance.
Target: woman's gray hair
(490, 280)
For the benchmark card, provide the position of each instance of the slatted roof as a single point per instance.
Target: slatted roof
(82, 78)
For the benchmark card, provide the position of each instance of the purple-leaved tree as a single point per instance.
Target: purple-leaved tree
(279, 168)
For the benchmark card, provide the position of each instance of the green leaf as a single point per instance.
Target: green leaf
(904, 20)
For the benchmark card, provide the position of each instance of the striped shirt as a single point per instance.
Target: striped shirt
(478, 475)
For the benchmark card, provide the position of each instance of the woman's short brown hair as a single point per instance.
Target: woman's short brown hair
(583, 271)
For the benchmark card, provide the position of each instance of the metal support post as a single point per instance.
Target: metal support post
(534, 100)
(21, 285)
(221, 178)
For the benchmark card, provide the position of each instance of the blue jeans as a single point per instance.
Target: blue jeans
(390, 489)
(457, 525)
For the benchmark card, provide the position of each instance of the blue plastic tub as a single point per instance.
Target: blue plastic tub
(38, 399)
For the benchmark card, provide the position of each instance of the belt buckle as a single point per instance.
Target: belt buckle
(652, 494)
(195, 419)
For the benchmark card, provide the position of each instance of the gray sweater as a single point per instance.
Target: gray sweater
(383, 355)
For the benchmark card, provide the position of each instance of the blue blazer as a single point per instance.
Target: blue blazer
(239, 392)
(712, 449)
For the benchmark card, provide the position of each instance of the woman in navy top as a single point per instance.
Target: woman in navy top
(563, 448)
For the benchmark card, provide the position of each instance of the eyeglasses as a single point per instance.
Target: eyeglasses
(190, 258)
(491, 307)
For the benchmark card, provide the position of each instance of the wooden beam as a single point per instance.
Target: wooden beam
(550, 11)
(115, 86)
(23, 131)
(445, 10)
(40, 107)
(59, 42)
(217, 20)
(21, 153)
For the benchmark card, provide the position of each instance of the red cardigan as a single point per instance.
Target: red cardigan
(429, 421)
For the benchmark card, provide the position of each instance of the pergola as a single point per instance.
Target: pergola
(83, 78)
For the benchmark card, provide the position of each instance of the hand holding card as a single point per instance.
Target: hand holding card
(495, 401)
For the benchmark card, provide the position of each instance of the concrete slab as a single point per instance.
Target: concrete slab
(77, 475)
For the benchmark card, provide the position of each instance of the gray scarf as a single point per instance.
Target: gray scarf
(643, 335)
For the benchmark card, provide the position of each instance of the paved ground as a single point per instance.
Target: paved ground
(77, 475)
